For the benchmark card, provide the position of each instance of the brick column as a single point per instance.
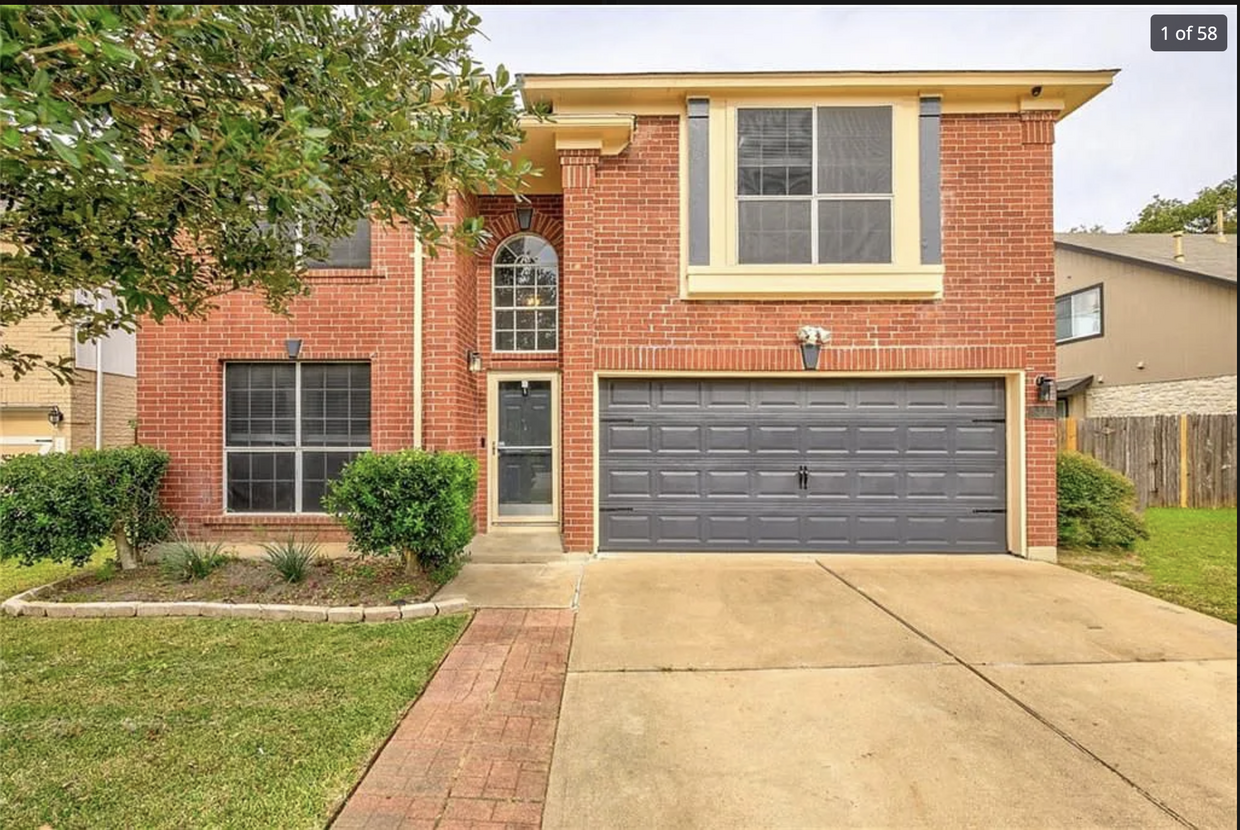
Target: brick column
(577, 336)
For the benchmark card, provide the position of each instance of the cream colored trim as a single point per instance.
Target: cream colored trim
(609, 133)
(829, 282)
(494, 377)
(1048, 553)
(1014, 389)
(1017, 487)
(904, 278)
(1028, 103)
(418, 260)
(683, 163)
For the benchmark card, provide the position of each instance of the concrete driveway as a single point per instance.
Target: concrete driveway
(889, 692)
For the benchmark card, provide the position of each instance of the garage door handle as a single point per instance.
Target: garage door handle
(803, 477)
(615, 510)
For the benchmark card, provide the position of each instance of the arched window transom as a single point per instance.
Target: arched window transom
(525, 295)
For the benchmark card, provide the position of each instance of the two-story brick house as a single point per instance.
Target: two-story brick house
(622, 356)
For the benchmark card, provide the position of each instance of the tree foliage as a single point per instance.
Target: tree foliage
(1096, 505)
(1197, 216)
(171, 154)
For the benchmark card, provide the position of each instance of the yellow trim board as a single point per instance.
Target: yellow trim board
(828, 282)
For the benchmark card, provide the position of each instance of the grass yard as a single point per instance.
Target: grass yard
(15, 578)
(165, 723)
(1189, 559)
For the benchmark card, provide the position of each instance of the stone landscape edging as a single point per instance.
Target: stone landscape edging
(27, 604)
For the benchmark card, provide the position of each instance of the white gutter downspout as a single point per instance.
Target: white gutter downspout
(417, 343)
(99, 382)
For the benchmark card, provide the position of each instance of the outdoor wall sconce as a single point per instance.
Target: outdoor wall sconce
(1046, 388)
(293, 347)
(812, 339)
(525, 216)
(54, 416)
(474, 361)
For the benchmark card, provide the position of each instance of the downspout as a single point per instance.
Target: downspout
(417, 343)
(99, 382)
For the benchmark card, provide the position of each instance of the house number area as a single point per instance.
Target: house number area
(1188, 32)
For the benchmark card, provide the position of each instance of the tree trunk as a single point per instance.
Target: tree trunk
(412, 568)
(125, 553)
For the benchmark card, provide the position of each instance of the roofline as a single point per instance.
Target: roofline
(625, 78)
(1160, 266)
(1084, 83)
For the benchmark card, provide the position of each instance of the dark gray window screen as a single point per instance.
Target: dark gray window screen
(814, 185)
(854, 150)
(775, 231)
(775, 152)
(289, 429)
(525, 281)
(352, 251)
(854, 230)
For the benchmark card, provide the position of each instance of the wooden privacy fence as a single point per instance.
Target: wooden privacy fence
(1174, 460)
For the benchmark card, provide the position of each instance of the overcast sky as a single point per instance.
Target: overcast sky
(1167, 125)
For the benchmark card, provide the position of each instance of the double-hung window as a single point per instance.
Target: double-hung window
(289, 428)
(814, 185)
(351, 251)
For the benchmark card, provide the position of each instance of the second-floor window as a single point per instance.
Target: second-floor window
(814, 185)
(1079, 314)
(352, 251)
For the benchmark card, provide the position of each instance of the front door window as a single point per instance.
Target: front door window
(526, 479)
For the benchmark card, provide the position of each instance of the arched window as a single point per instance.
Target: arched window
(525, 300)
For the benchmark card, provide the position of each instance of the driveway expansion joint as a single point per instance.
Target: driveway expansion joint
(1036, 715)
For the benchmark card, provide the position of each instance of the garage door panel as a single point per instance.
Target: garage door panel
(678, 439)
(907, 465)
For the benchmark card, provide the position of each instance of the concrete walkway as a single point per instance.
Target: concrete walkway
(888, 692)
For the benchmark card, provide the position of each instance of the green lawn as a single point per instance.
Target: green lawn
(15, 578)
(196, 722)
(1189, 559)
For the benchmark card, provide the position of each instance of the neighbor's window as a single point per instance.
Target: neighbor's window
(1079, 314)
(289, 428)
(348, 252)
(525, 282)
(814, 185)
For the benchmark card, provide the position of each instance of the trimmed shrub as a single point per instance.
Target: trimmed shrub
(413, 504)
(1097, 505)
(187, 561)
(61, 507)
(291, 559)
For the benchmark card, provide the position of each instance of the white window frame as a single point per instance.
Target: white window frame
(515, 308)
(296, 449)
(1070, 298)
(814, 197)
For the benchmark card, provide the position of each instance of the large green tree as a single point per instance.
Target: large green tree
(1196, 216)
(166, 154)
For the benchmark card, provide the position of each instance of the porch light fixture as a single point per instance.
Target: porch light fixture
(474, 361)
(54, 416)
(525, 216)
(812, 339)
(293, 347)
(1046, 388)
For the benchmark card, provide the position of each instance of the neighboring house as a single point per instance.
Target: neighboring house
(1142, 329)
(38, 414)
(622, 356)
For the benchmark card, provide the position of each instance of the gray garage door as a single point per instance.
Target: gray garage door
(816, 465)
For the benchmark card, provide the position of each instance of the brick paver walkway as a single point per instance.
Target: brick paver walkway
(474, 751)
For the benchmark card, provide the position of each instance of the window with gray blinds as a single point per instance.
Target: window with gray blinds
(289, 429)
(814, 185)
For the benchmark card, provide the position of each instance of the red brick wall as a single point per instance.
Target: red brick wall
(354, 315)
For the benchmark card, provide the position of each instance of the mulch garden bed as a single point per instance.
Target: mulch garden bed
(367, 581)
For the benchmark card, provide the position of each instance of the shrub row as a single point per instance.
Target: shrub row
(1097, 505)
